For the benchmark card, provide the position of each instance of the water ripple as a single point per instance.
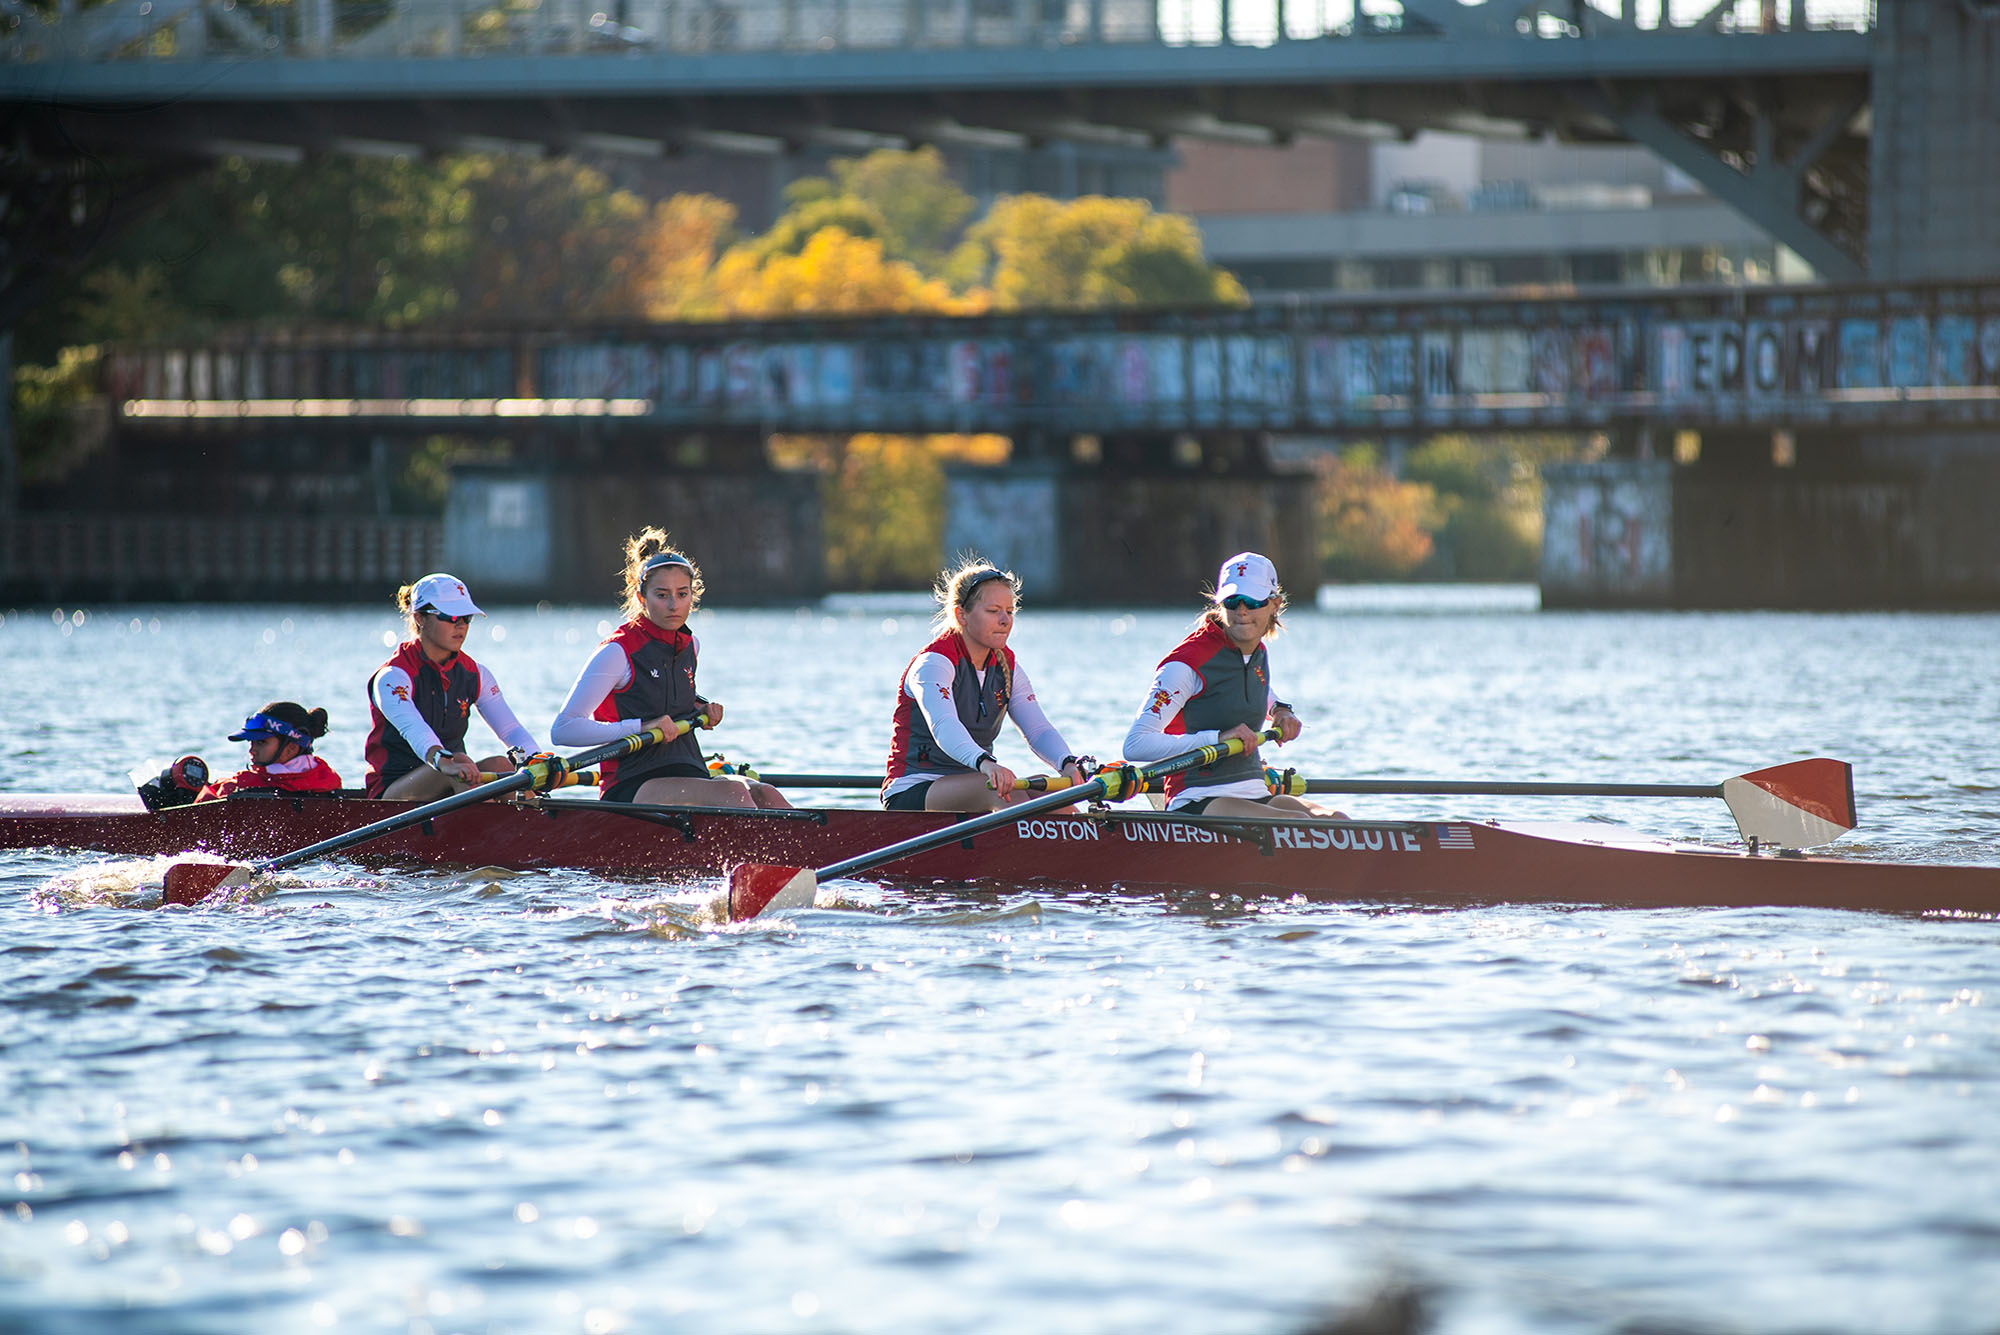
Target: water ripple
(400, 1099)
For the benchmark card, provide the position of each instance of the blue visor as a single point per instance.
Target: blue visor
(260, 726)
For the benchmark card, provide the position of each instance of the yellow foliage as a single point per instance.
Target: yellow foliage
(883, 508)
(677, 252)
(834, 273)
(1373, 526)
(1096, 251)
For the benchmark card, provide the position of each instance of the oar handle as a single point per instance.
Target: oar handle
(1112, 783)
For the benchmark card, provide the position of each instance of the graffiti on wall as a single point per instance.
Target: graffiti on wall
(1306, 367)
(1608, 531)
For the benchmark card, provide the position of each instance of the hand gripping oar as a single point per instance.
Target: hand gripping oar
(189, 882)
(1802, 804)
(756, 888)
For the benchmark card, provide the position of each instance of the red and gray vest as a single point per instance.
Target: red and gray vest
(444, 696)
(979, 697)
(1233, 690)
(660, 664)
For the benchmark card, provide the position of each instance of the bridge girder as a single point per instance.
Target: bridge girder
(1769, 122)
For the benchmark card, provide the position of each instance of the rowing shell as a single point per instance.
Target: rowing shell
(1404, 862)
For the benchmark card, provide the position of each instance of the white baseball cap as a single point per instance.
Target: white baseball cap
(1248, 575)
(443, 593)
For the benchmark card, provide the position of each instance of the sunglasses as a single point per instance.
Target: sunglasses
(435, 615)
(1237, 602)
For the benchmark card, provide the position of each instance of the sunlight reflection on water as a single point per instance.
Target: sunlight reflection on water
(483, 1101)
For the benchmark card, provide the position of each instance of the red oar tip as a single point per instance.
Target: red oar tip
(756, 889)
(192, 882)
(1800, 805)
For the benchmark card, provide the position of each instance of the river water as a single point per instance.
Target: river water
(448, 1102)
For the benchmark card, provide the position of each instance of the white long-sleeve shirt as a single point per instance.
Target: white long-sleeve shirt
(928, 682)
(608, 671)
(1148, 741)
(399, 708)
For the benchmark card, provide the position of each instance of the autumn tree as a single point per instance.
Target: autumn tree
(1095, 251)
(677, 254)
(558, 240)
(1371, 524)
(834, 273)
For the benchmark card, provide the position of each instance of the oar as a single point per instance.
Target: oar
(1040, 783)
(189, 882)
(820, 780)
(756, 888)
(1802, 804)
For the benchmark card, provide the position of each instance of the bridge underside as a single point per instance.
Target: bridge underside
(1774, 123)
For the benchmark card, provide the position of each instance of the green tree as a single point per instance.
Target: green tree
(1490, 495)
(560, 241)
(924, 210)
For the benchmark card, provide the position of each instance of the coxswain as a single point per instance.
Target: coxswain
(643, 676)
(954, 695)
(1216, 685)
(421, 700)
(281, 737)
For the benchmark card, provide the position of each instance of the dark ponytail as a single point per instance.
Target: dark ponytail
(310, 722)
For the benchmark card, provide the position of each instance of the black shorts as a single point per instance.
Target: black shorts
(1200, 805)
(910, 799)
(626, 790)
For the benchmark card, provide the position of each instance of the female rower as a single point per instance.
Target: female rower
(1217, 685)
(420, 701)
(281, 736)
(642, 676)
(953, 697)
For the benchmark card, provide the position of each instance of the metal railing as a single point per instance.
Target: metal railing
(174, 556)
(1826, 355)
(197, 30)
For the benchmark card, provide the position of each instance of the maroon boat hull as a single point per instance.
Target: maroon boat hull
(1443, 863)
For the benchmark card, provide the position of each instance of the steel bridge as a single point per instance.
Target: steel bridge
(1841, 442)
(1861, 137)
(1823, 359)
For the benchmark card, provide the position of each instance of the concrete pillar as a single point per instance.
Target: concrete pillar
(1012, 517)
(1639, 533)
(1607, 534)
(560, 535)
(1097, 537)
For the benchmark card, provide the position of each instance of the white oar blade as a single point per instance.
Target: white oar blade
(1801, 805)
(755, 889)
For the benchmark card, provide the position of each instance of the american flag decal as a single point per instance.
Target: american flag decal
(1454, 836)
